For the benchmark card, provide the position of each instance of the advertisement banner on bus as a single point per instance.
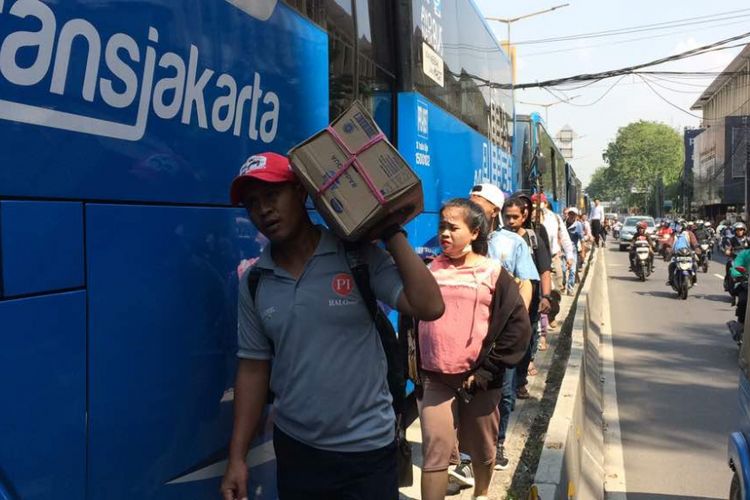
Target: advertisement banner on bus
(448, 155)
(144, 102)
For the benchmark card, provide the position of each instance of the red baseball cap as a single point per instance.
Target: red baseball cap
(538, 197)
(266, 167)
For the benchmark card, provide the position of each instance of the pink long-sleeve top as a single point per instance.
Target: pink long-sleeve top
(452, 343)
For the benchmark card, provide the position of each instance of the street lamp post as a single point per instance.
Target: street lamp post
(510, 20)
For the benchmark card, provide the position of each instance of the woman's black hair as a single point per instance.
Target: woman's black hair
(476, 220)
(523, 205)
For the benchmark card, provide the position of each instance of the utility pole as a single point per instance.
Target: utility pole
(747, 169)
(511, 20)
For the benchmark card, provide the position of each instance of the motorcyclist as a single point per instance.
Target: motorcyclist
(664, 233)
(640, 235)
(737, 242)
(731, 246)
(709, 229)
(701, 232)
(683, 238)
(739, 270)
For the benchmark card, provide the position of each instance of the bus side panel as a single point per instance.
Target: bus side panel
(162, 341)
(43, 390)
(448, 155)
(152, 100)
(41, 247)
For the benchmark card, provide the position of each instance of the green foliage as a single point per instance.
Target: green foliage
(642, 154)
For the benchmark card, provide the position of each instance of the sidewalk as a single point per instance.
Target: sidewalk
(521, 426)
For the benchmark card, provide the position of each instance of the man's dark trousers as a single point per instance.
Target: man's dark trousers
(596, 229)
(307, 473)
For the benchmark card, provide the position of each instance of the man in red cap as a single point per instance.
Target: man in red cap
(334, 428)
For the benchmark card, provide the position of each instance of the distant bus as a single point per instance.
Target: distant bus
(541, 167)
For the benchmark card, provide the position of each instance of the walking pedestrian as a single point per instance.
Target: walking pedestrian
(505, 246)
(517, 213)
(575, 230)
(597, 218)
(560, 244)
(461, 360)
(334, 427)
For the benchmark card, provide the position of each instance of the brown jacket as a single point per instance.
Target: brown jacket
(509, 332)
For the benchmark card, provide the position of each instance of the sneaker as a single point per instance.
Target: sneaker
(522, 393)
(501, 461)
(453, 488)
(463, 474)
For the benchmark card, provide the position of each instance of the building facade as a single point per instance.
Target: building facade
(719, 153)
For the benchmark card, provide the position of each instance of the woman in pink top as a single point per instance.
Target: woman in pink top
(449, 348)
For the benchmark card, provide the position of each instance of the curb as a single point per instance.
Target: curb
(571, 463)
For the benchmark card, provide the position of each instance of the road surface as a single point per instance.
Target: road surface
(676, 375)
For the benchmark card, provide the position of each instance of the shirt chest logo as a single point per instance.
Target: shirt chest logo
(343, 284)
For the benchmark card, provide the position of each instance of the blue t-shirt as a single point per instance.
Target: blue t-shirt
(513, 253)
(329, 368)
(681, 241)
(575, 231)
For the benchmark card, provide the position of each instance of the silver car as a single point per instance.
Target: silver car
(628, 229)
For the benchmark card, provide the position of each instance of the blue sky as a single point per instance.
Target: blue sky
(631, 99)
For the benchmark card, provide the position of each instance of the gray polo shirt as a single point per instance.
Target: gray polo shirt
(329, 369)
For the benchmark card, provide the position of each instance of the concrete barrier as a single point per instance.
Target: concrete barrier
(572, 460)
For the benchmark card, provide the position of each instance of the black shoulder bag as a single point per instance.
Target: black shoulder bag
(391, 347)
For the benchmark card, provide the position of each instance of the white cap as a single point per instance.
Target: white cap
(489, 192)
(573, 210)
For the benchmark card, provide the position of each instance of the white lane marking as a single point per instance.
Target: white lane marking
(719, 276)
(614, 462)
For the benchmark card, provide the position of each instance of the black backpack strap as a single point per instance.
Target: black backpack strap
(388, 338)
(533, 239)
(253, 280)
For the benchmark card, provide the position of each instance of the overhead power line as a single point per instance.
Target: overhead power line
(713, 47)
(721, 16)
(630, 40)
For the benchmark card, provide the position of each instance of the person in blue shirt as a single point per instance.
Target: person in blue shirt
(506, 246)
(683, 238)
(334, 425)
(575, 230)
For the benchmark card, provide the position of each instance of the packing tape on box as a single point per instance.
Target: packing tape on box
(353, 161)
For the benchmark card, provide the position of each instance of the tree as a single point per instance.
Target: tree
(643, 155)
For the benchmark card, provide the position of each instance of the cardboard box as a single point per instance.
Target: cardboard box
(358, 151)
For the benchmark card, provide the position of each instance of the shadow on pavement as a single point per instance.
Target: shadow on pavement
(657, 496)
(660, 293)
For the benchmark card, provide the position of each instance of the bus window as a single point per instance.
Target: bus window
(376, 68)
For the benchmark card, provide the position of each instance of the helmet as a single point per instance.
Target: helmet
(641, 225)
(699, 222)
(707, 224)
(739, 225)
(665, 223)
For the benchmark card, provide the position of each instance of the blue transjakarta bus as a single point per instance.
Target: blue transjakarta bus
(541, 166)
(122, 125)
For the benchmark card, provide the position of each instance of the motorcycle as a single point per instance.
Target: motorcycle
(642, 267)
(740, 291)
(683, 275)
(665, 246)
(705, 256)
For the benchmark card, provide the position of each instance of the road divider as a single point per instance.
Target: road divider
(572, 460)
